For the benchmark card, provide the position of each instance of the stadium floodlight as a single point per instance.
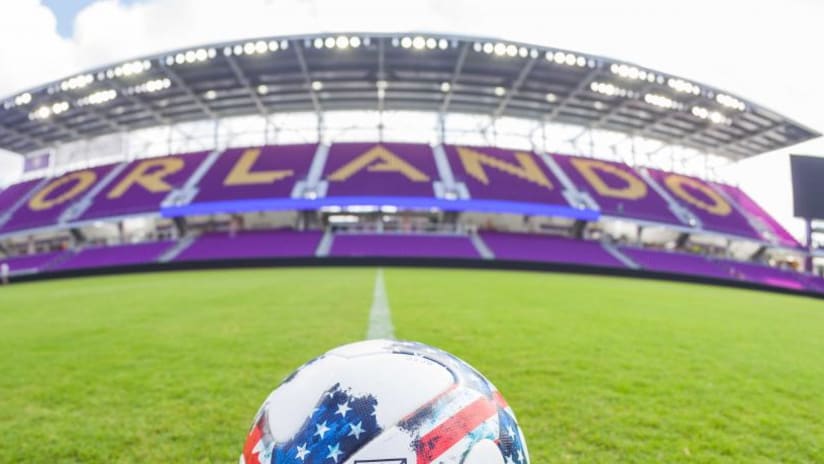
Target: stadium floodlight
(261, 47)
(43, 112)
(718, 118)
(418, 43)
(317, 86)
(46, 111)
(680, 85)
(431, 43)
(22, 99)
(661, 101)
(318, 43)
(446, 87)
(406, 42)
(608, 89)
(97, 98)
(551, 97)
(154, 85)
(715, 117)
(500, 91)
(329, 42)
(568, 59)
(60, 107)
(77, 82)
(443, 44)
(263, 89)
(133, 68)
(500, 49)
(210, 95)
(627, 71)
(730, 102)
(354, 42)
(488, 48)
(342, 42)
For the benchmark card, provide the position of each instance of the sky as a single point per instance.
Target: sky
(763, 50)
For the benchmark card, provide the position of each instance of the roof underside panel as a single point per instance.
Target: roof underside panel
(393, 72)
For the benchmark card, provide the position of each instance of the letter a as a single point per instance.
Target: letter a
(389, 162)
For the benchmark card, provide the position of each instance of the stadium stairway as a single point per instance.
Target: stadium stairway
(187, 192)
(179, 247)
(5, 216)
(680, 211)
(614, 251)
(325, 244)
(480, 245)
(85, 202)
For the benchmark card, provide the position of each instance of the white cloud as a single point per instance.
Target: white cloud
(763, 50)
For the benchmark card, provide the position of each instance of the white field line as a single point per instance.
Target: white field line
(380, 318)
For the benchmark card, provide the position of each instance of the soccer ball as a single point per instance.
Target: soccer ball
(385, 402)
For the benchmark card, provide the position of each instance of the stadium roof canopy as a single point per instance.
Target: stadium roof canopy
(418, 72)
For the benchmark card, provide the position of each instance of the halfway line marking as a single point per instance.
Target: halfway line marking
(380, 318)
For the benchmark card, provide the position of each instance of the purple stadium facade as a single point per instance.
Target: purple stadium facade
(316, 178)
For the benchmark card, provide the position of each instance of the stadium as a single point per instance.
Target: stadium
(217, 194)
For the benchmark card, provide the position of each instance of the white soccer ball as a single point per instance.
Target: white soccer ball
(385, 402)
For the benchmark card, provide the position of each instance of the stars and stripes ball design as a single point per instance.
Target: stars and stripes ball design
(385, 402)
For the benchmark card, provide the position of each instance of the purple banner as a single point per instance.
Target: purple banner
(37, 162)
(493, 173)
(260, 172)
(387, 169)
(714, 211)
(46, 205)
(617, 188)
(143, 184)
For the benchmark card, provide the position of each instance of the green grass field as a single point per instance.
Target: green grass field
(171, 367)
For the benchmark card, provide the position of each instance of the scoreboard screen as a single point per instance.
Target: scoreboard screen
(808, 186)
